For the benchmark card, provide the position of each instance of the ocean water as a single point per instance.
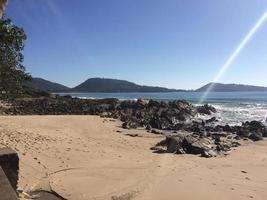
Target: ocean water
(233, 107)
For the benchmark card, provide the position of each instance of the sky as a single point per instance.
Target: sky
(170, 43)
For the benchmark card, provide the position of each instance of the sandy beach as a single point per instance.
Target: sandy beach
(88, 157)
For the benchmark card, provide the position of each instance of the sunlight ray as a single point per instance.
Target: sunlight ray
(233, 56)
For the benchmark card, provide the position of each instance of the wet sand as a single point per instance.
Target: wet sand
(88, 157)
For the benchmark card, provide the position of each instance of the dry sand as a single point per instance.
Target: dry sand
(87, 157)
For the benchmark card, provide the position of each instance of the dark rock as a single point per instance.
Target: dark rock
(174, 145)
(206, 109)
(213, 119)
(153, 103)
(156, 132)
(227, 128)
(148, 127)
(132, 135)
(237, 137)
(243, 133)
(255, 136)
(129, 125)
(142, 103)
(254, 130)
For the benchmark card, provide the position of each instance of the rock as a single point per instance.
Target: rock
(174, 144)
(188, 144)
(148, 127)
(237, 137)
(227, 128)
(255, 136)
(156, 132)
(142, 103)
(206, 109)
(202, 146)
(254, 130)
(132, 135)
(243, 132)
(153, 103)
(213, 119)
(129, 125)
(159, 123)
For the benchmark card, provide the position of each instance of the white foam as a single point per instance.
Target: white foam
(237, 114)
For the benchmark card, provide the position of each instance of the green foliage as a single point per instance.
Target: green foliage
(12, 71)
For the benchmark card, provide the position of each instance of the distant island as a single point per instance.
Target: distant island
(219, 87)
(114, 85)
(105, 85)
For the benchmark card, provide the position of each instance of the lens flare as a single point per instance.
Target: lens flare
(233, 56)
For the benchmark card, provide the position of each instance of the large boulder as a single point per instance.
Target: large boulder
(199, 145)
(189, 144)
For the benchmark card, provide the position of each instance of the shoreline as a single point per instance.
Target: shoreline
(64, 142)
(100, 155)
(202, 132)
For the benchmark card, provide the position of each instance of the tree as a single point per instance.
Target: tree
(12, 71)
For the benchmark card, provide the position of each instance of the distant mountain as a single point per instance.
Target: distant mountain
(114, 85)
(47, 86)
(219, 87)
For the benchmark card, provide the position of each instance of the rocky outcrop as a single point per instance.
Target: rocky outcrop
(202, 137)
(133, 114)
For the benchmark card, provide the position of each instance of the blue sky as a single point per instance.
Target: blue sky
(171, 43)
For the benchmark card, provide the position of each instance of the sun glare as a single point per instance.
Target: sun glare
(233, 56)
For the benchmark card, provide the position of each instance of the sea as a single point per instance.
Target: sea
(233, 108)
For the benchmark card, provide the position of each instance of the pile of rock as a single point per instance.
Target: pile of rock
(155, 114)
(141, 113)
(211, 141)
